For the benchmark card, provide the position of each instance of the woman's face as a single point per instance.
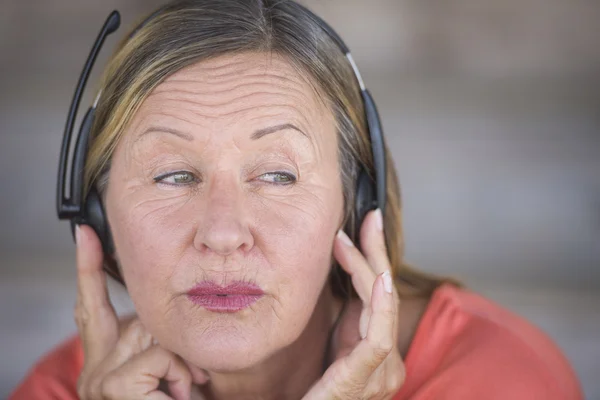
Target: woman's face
(227, 181)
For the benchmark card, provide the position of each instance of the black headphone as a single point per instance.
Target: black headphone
(370, 193)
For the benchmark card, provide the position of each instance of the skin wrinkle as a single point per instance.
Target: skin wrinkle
(271, 85)
(281, 82)
(247, 89)
(206, 106)
(230, 224)
(180, 86)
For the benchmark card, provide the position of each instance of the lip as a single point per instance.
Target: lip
(225, 299)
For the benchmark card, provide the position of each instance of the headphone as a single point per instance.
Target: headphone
(370, 192)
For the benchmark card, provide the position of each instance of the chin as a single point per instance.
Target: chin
(227, 351)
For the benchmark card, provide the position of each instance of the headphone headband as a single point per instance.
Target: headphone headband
(72, 206)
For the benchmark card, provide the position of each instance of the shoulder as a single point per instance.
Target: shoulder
(467, 346)
(55, 375)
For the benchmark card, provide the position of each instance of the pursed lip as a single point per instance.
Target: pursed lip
(226, 299)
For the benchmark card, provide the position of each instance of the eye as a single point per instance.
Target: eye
(278, 178)
(176, 178)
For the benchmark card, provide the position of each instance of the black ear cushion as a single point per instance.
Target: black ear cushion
(365, 201)
(95, 216)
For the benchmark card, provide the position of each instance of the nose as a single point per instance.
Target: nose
(224, 228)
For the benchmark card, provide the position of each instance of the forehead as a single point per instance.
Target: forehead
(243, 88)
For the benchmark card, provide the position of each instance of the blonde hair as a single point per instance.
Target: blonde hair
(185, 32)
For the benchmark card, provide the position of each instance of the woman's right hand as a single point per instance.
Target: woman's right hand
(119, 363)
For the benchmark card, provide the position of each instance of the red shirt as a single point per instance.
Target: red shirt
(465, 348)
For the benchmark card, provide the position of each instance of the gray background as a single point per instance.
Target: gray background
(492, 110)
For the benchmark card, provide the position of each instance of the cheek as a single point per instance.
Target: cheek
(149, 246)
(297, 238)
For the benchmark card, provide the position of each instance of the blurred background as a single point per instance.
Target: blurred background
(492, 111)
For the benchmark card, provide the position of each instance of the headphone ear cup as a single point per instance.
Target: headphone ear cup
(95, 216)
(365, 201)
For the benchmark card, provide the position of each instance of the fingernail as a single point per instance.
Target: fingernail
(344, 238)
(77, 234)
(379, 220)
(387, 281)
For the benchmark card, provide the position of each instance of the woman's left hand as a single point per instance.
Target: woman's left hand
(367, 362)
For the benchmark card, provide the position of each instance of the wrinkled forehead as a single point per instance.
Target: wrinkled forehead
(249, 88)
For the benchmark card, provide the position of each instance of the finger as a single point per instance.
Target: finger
(372, 242)
(94, 314)
(395, 372)
(134, 339)
(353, 262)
(142, 374)
(371, 352)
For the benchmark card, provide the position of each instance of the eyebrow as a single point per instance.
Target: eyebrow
(255, 136)
(163, 129)
(266, 131)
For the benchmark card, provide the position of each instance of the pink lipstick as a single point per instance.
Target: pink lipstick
(225, 299)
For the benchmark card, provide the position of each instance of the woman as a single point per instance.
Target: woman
(226, 147)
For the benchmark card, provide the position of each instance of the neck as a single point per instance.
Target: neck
(289, 373)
